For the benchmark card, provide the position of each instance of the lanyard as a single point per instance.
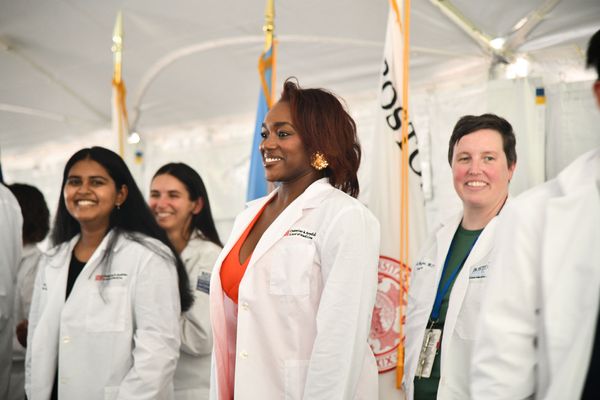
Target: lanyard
(442, 290)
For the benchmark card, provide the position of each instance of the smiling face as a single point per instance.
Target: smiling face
(90, 194)
(285, 158)
(171, 204)
(480, 170)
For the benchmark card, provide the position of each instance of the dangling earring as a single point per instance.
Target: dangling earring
(118, 206)
(318, 161)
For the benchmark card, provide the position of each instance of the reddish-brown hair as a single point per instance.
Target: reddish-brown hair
(324, 125)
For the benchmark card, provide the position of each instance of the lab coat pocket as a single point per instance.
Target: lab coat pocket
(111, 392)
(295, 378)
(466, 322)
(290, 274)
(106, 310)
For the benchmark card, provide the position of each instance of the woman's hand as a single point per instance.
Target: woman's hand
(21, 331)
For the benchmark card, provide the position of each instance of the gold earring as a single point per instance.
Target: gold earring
(318, 161)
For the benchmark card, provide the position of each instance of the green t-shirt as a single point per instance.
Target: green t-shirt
(426, 388)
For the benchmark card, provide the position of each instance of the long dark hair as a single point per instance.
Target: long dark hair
(203, 221)
(325, 126)
(133, 217)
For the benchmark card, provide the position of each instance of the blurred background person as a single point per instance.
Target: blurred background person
(104, 321)
(36, 224)
(539, 335)
(449, 277)
(180, 204)
(293, 290)
(11, 246)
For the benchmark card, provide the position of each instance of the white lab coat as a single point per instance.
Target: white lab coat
(192, 376)
(536, 336)
(117, 336)
(463, 308)
(11, 222)
(24, 291)
(305, 302)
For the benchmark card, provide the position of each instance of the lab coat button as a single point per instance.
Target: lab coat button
(244, 354)
(63, 381)
(245, 306)
(66, 339)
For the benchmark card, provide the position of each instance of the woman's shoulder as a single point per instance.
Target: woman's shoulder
(57, 251)
(201, 243)
(141, 244)
(338, 202)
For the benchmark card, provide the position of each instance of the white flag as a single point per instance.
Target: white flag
(383, 200)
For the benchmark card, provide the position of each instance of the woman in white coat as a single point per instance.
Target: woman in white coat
(104, 321)
(540, 335)
(180, 204)
(293, 290)
(449, 277)
(36, 224)
(11, 223)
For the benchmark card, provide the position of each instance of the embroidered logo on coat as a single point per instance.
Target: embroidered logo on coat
(479, 272)
(385, 324)
(302, 233)
(423, 264)
(111, 277)
(203, 283)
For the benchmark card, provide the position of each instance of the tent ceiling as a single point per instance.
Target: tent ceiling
(57, 67)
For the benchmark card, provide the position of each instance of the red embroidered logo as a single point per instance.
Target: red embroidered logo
(385, 325)
(111, 277)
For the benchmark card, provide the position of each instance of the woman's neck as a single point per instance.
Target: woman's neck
(290, 191)
(89, 241)
(476, 218)
(178, 239)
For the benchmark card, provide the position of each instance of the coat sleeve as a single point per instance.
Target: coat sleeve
(196, 333)
(504, 357)
(11, 247)
(10, 255)
(349, 257)
(156, 309)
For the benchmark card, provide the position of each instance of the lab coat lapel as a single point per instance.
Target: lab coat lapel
(217, 307)
(480, 251)
(48, 326)
(444, 240)
(288, 217)
(89, 268)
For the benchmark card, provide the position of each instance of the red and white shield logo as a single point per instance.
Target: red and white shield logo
(385, 325)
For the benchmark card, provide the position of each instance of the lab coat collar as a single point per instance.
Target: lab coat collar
(194, 245)
(583, 171)
(28, 250)
(310, 198)
(63, 252)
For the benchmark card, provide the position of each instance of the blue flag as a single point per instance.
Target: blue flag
(257, 184)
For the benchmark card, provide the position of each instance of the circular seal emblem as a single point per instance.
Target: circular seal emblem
(385, 325)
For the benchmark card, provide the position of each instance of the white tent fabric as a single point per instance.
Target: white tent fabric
(190, 70)
(57, 66)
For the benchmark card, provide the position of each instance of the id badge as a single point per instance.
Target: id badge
(429, 349)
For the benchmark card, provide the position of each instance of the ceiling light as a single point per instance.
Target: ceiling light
(133, 138)
(497, 43)
(518, 69)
